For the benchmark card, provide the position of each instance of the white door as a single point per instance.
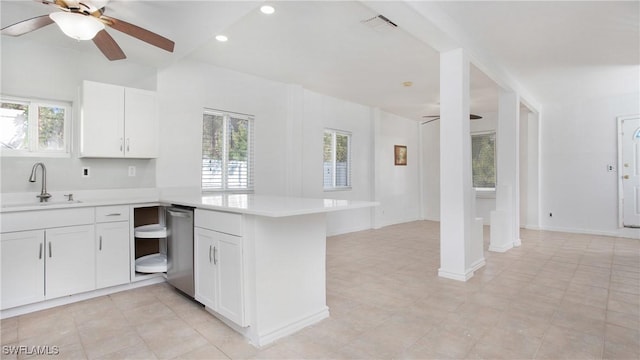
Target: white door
(70, 260)
(102, 120)
(141, 124)
(228, 258)
(631, 171)
(205, 271)
(22, 268)
(112, 254)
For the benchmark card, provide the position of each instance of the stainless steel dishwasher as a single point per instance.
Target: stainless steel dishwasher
(179, 221)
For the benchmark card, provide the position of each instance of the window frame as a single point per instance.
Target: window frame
(32, 128)
(334, 133)
(226, 116)
(487, 192)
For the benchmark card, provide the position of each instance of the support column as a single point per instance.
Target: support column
(505, 220)
(455, 167)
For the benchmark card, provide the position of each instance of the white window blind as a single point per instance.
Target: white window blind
(337, 160)
(227, 151)
(483, 160)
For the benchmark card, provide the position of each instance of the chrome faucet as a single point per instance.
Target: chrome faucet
(44, 195)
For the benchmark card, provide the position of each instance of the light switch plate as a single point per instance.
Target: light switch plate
(132, 171)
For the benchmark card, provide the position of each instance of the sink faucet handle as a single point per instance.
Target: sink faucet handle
(69, 197)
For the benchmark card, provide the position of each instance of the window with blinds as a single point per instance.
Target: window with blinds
(483, 160)
(227, 151)
(337, 160)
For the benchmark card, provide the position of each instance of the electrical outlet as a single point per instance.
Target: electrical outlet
(132, 171)
(85, 171)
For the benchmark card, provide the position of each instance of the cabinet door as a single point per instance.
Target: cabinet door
(205, 271)
(102, 120)
(141, 124)
(112, 254)
(230, 277)
(70, 260)
(22, 256)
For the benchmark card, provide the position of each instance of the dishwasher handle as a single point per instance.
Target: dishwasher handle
(179, 213)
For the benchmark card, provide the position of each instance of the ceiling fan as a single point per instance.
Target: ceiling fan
(85, 20)
(437, 117)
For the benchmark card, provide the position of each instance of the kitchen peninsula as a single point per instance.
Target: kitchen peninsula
(284, 255)
(260, 261)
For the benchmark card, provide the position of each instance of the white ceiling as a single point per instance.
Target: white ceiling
(556, 50)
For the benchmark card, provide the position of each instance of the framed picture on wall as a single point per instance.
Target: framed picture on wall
(400, 154)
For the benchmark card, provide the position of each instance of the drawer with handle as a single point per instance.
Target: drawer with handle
(112, 213)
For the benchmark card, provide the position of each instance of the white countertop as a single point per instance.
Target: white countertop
(262, 205)
(272, 206)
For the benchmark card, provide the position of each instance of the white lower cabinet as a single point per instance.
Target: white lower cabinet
(70, 260)
(219, 273)
(22, 268)
(112, 254)
(46, 264)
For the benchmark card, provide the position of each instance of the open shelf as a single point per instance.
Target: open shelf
(153, 263)
(151, 231)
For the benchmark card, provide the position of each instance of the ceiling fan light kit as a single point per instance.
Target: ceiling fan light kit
(86, 21)
(77, 26)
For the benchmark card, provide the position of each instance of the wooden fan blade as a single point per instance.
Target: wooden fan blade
(27, 26)
(141, 34)
(108, 46)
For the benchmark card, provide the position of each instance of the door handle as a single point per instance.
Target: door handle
(215, 253)
(50, 253)
(128, 145)
(210, 254)
(100, 245)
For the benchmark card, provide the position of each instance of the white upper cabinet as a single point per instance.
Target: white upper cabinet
(117, 122)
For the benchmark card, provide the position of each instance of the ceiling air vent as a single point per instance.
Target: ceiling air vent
(380, 23)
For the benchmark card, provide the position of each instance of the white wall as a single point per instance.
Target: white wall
(33, 70)
(320, 112)
(430, 170)
(188, 87)
(397, 187)
(578, 140)
(430, 134)
(290, 123)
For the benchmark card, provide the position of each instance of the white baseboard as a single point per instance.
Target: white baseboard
(48, 304)
(624, 232)
(270, 336)
(456, 276)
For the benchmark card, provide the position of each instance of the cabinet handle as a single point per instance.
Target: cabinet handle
(209, 253)
(127, 144)
(40, 252)
(113, 214)
(215, 253)
(50, 253)
(100, 245)
(121, 144)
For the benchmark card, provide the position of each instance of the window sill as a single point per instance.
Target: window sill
(485, 193)
(346, 188)
(23, 154)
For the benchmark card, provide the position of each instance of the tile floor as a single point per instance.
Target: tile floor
(557, 296)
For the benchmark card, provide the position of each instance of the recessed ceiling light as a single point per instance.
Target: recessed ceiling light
(267, 9)
(221, 38)
(407, 83)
